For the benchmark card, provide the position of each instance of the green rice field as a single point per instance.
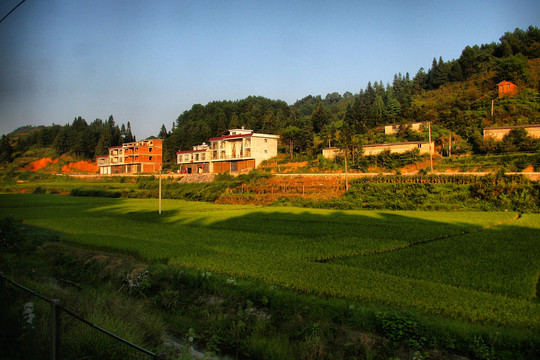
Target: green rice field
(478, 267)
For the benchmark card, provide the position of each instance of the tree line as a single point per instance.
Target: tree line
(78, 138)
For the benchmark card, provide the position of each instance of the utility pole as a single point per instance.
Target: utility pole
(346, 173)
(159, 192)
(450, 146)
(430, 150)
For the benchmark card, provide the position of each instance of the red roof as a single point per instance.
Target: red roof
(230, 137)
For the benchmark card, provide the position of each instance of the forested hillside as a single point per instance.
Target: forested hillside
(79, 138)
(455, 96)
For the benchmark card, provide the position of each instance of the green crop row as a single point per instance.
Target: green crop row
(475, 266)
(369, 286)
(504, 259)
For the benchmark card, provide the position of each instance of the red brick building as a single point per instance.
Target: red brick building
(131, 158)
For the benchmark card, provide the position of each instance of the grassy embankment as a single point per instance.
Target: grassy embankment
(470, 276)
(420, 192)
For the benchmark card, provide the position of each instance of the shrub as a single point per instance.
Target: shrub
(403, 327)
(10, 234)
(95, 193)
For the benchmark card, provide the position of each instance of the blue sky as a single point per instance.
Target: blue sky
(147, 61)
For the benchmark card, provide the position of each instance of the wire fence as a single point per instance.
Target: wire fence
(33, 326)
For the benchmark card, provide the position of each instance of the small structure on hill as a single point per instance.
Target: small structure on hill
(394, 128)
(507, 88)
(425, 147)
(241, 150)
(498, 133)
(394, 148)
(331, 152)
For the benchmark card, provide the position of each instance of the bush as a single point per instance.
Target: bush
(403, 327)
(95, 193)
(10, 234)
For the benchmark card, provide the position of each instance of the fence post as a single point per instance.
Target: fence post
(55, 325)
(2, 319)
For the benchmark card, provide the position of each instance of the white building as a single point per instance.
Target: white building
(240, 151)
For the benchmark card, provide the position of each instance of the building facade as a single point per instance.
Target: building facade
(331, 152)
(394, 148)
(240, 151)
(424, 147)
(394, 128)
(132, 158)
(498, 133)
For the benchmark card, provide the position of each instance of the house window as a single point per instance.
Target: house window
(150, 149)
(265, 141)
(149, 158)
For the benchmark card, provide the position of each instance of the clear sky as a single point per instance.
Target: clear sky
(147, 61)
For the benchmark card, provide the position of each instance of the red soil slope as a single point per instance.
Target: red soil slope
(40, 164)
(70, 168)
(80, 166)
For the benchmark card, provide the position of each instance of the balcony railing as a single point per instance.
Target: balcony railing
(231, 157)
(103, 161)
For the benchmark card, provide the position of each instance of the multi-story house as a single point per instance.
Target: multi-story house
(131, 158)
(240, 151)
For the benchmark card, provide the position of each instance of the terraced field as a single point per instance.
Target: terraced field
(481, 267)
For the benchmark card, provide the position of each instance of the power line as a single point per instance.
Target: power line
(12, 10)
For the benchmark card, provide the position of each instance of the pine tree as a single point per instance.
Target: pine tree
(105, 141)
(6, 150)
(163, 133)
(61, 141)
(392, 106)
(129, 136)
(319, 118)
